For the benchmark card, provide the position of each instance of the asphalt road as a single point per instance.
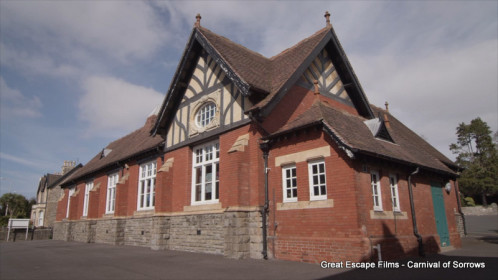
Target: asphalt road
(49, 259)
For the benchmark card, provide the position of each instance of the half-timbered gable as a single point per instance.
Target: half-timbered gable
(210, 87)
(323, 71)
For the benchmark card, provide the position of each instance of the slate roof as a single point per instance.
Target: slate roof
(47, 180)
(350, 131)
(132, 145)
(64, 177)
(251, 66)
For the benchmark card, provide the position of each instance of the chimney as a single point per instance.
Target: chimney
(198, 20)
(387, 106)
(68, 165)
(317, 92)
(327, 19)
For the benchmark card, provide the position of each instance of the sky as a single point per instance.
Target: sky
(76, 75)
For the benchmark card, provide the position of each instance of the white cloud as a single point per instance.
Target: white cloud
(110, 105)
(20, 160)
(36, 63)
(120, 29)
(432, 93)
(15, 104)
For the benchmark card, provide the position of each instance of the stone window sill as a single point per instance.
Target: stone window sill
(326, 203)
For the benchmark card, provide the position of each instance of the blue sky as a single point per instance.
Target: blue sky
(76, 75)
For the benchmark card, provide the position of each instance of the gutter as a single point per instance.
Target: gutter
(414, 218)
(265, 147)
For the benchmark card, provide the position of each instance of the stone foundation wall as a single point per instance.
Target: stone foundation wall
(198, 233)
(138, 232)
(83, 231)
(110, 231)
(62, 230)
(234, 234)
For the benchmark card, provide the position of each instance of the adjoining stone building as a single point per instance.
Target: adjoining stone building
(261, 157)
(55, 192)
(48, 194)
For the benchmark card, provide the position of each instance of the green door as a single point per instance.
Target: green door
(440, 215)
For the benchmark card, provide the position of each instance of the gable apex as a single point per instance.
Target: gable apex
(252, 72)
(201, 40)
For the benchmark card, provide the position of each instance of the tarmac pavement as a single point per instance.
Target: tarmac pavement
(50, 259)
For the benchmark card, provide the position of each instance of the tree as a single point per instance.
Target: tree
(478, 157)
(14, 205)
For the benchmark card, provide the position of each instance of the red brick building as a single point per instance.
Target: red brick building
(257, 157)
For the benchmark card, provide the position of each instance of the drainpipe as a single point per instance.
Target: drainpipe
(265, 147)
(414, 219)
(457, 194)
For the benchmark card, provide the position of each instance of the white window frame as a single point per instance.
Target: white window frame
(205, 115)
(289, 182)
(146, 198)
(319, 175)
(41, 218)
(376, 191)
(209, 157)
(86, 198)
(71, 192)
(393, 183)
(110, 203)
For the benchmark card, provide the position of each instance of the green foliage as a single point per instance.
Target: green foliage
(4, 221)
(15, 205)
(478, 156)
(469, 201)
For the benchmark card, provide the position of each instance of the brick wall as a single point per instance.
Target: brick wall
(348, 226)
(295, 102)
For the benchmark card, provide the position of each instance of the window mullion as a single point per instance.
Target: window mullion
(203, 182)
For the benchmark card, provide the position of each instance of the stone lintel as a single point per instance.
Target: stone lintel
(328, 203)
(303, 156)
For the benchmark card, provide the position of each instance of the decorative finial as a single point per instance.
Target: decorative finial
(387, 106)
(198, 20)
(327, 17)
(317, 92)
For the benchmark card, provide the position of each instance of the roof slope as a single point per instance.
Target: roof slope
(129, 146)
(66, 176)
(47, 180)
(251, 66)
(252, 72)
(262, 73)
(350, 131)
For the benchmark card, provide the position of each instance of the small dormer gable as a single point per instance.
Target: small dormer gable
(323, 71)
(377, 127)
